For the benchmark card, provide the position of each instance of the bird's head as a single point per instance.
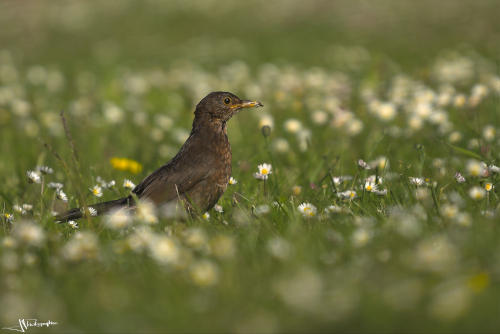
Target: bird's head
(221, 106)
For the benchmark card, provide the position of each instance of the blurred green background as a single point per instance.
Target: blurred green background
(135, 33)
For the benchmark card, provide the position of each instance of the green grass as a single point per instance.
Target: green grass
(127, 76)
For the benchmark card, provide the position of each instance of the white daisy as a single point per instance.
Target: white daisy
(92, 211)
(127, 184)
(73, 224)
(476, 168)
(370, 186)
(33, 176)
(494, 169)
(232, 181)
(418, 181)
(218, 208)
(118, 219)
(459, 177)
(205, 216)
(45, 169)
(60, 194)
(363, 164)
(55, 185)
(307, 209)
(264, 171)
(96, 191)
(19, 209)
(348, 194)
(477, 193)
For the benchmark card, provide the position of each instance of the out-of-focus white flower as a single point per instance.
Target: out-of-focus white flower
(118, 219)
(204, 273)
(488, 186)
(113, 113)
(386, 111)
(450, 301)
(45, 169)
(279, 247)
(307, 209)
(363, 164)
(33, 176)
(459, 100)
(96, 191)
(476, 168)
(296, 190)
(218, 208)
(489, 133)
(164, 250)
(336, 209)
(29, 234)
(319, 117)
(92, 211)
(141, 238)
(477, 193)
(232, 181)
(205, 216)
(18, 209)
(264, 171)
(55, 185)
(266, 120)
(381, 192)
(293, 125)
(459, 177)
(196, 238)
(281, 145)
(127, 184)
(354, 126)
(223, 246)
(370, 186)
(449, 210)
(60, 194)
(9, 217)
(418, 181)
(455, 137)
(494, 169)
(262, 209)
(381, 163)
(348, 194)
(73, 224)
(82, 246)
(146, 212)
(361, 237)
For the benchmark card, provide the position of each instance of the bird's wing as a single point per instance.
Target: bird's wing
(174, 179)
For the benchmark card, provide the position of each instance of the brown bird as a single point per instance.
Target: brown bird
(199, 173)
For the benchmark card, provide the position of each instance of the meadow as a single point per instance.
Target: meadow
(364, 195)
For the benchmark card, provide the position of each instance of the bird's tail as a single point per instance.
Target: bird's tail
(100, 208)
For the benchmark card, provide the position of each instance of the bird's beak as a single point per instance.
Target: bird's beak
(247, 104)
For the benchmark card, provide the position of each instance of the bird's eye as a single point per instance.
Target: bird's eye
(227, 100)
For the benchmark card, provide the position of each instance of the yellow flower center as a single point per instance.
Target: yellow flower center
(264, 171)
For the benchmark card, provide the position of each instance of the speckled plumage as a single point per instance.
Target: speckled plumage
(199, 173)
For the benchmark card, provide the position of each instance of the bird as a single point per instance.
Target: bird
(198, 174)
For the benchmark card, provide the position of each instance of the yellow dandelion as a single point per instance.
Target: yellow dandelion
(126, 165)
